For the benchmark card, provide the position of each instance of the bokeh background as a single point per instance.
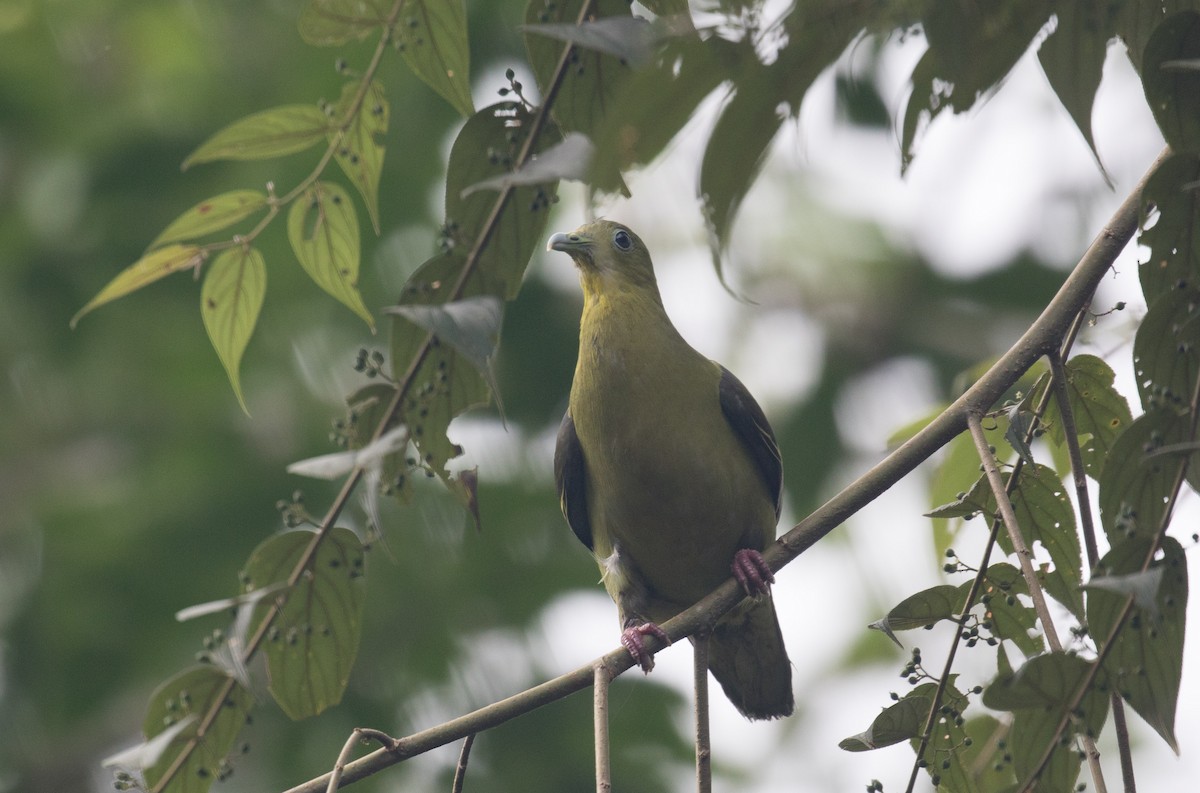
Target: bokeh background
(132, 485)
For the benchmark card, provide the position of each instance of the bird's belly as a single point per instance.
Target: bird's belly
(677, 527)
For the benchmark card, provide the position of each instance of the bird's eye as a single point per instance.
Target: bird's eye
(622, 239)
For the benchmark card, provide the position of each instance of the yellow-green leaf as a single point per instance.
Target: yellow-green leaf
(230, 301)
(270, 133)
(154, 265)
(191, 694)
(211, 215)
(332, 22)
(360, 152)
(313, 642)
(432, 36)
(323, 230)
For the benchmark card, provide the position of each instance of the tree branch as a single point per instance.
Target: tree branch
(703, 742)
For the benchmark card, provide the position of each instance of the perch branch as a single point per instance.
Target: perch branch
(703, 743)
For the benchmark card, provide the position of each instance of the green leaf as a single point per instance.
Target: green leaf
(432, 37)
(592, 79)
(1073, 59)
(656, 101)
(1020, 421)
(333, 22)
(1166, 351)
(499, 131)
(946, 742)
(957, 473)
(972, 47)
(312, 644)
(1141, 473)
(230, 301)
(969, 503)
(1099, 410)
(1045, 515)
(631, 40)
(1011, 619)
(898, 722)
(193, 693)
(1173, 89)
(926, 607)
(447, 383)
(360, 151)
(154, 265)
(1146, 662)
(1174, 260)
(570, 158)
(212, 215)
(471, 326)
(1038, 694)
(323, 230)
(269, 133)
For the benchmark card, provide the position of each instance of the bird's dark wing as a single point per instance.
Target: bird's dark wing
(751, 426)
(569, 477)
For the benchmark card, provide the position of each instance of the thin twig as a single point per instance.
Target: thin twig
(1024, 556)
(703, 742)
(601, 678)
(1059, 384)
(460, 771)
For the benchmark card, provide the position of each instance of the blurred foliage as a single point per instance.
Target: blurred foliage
(135, 486)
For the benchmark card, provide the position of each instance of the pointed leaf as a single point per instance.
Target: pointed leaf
(947, 740)
(1046, 516)
(432, 36)
(333, 22)
(230, 301)
(1019, 423)
(312, 644)
(212, 215)
(898, 722)
(970, 503)
(923, 608)
(360, 150)
(269, 133)
(570, 158)
(630, 39)
(1073, 59)
(1010, 618)
(323, 230)
(190, 695)
(1173, 93)
(154, 265)
(1146, 662)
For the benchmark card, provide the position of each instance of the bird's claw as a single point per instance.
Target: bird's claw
(631, 639)
(752, 572)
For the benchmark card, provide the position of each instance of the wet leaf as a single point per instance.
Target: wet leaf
(154, 265)
(190, 695)
(312, 644)
(323, 230)
(360, 150)
(211, 215)
(230, 301)
(270, 133)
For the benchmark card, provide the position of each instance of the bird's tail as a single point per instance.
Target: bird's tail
(747, 657)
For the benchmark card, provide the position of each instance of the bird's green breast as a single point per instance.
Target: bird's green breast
(668, 482)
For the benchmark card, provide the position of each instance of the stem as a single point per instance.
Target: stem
(703, 742)
(460, 771)
(601, 678)
(1058, 380)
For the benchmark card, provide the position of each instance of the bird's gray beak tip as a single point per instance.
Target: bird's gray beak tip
(558, 242)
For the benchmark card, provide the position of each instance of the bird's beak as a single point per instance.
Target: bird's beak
(571, 244)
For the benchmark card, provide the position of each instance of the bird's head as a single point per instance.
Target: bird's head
(607, 254)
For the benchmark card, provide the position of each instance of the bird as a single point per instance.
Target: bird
(668, 471)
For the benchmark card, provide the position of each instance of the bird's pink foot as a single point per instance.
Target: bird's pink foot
(752, 572)
(631, 638)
